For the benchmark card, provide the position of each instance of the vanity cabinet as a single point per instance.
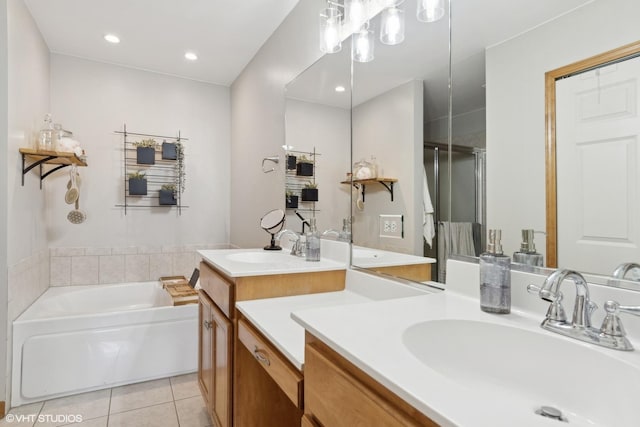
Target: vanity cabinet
(339, 394)
(215, 361)
(268, 387)
(239, 388)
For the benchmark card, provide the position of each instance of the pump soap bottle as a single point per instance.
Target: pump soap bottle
(495, 277)
(313, 241)
(527, 253)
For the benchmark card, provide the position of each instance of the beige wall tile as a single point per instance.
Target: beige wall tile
(160, 265)
(85, 270)
(111, 269)
(60, 271)
(136, 268)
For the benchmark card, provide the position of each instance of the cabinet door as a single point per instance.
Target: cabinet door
(222, 336)
(205, 347)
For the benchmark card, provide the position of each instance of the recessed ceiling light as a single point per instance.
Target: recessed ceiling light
(340, 89)
(112, 38)
(191, 56)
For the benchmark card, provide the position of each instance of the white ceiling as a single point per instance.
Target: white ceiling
(155, 34)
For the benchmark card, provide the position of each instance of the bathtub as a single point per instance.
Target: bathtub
(75, 339)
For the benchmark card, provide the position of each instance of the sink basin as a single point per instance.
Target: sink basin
(529, 369)
(264, 257)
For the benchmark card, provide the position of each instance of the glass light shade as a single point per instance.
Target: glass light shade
(330, 40)
(355, 14)
(362, 44)
(430, 10)
(392, 26)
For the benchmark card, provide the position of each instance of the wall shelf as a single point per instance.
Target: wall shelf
(40, 158)
(385, 182)
(161, 172)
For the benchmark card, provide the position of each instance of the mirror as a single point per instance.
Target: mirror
(272, 222)
(318, 126)
(502, 112)
(399, 100)
(591, 144)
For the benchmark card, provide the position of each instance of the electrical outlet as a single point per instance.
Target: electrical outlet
(392, 226)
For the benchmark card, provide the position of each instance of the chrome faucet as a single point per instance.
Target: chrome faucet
(611, 334)
(621, 271)
(297, 248)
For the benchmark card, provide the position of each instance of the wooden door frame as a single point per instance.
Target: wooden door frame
(551, 77)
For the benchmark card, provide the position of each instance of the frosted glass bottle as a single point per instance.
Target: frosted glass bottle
(45, 139)
(313, 242)
(495, 277)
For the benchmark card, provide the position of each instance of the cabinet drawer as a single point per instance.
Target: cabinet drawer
(219, 289)
(337, 398)
(287, 377)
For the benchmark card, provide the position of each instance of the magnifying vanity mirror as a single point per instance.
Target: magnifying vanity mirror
(272, 222)
(461, 101)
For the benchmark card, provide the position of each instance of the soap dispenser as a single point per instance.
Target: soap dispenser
(313, 242)
(495, 277)
(527, 253)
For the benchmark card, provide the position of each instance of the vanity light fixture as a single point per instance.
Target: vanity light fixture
(330, 27)
(340, 89)
(430, 10)
(112, 38)
(392, 24)
(191, 56)
(351, 17)
(362, 44)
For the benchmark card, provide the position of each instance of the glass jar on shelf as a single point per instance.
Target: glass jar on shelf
(45, 138)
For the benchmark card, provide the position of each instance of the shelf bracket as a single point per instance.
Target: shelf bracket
(388, 187)
(40, 162)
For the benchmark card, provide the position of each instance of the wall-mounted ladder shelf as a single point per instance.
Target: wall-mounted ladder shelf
(39, 158)
(161, 172)
(385, 182)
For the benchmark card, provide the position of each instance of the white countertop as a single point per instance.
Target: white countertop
(280, 262)
(371, 258)
(272, 317)
(371, 337)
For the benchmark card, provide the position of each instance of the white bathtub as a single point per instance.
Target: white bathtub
(75, 339)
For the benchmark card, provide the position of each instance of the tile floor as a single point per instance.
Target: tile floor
(169, 402)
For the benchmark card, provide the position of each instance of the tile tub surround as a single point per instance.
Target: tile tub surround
(174, 401)
(93, 266)
(28, 279)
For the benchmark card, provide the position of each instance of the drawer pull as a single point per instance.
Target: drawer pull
(207, 324)
(261, 356)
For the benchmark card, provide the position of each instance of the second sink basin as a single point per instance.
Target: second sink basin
(529, 369)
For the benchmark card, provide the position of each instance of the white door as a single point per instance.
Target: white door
(597, 130)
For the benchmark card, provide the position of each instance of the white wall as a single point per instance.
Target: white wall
(328, 129)
(28, 102)
(390, 127)
(257, 120)
(93, 100)
(515, 107)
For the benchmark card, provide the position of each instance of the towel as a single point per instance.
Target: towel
(454, 238)
(428, 228)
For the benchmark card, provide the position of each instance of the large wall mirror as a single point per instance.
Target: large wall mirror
(479, 144)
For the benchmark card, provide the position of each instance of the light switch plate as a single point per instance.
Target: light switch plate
(392, 226)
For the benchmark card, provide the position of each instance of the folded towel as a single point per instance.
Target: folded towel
(428, 228)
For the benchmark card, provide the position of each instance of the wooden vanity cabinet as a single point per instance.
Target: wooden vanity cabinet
(215, 356)
(338, 394)
(224, 386)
